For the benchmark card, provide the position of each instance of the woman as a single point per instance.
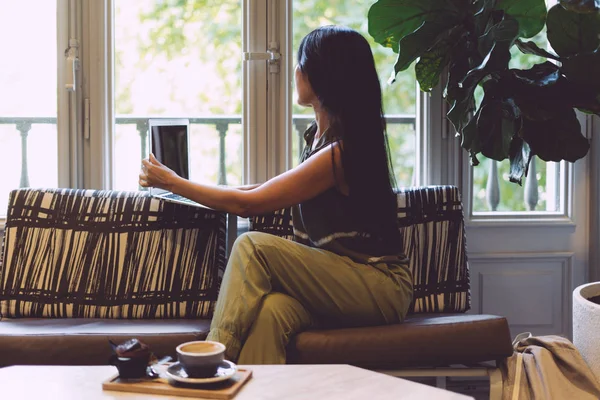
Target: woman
(345, 267)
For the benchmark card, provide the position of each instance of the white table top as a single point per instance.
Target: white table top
(269, 382)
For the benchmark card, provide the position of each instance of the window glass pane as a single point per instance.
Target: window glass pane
(398, 99)
(28, 141)
(494, 192)
(179, 60)
(541, 190)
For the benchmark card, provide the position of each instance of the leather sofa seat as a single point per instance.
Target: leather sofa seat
(426, 340)
(422, 340)
(84, 341)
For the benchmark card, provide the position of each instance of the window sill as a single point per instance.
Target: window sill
(518, 221)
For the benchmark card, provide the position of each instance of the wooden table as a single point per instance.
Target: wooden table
(276, 382)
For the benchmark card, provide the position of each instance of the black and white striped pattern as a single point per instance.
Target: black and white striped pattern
(277, 223)
(433, 237)
(109, 254)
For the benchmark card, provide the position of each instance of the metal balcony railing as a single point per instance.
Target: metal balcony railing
(222, 124)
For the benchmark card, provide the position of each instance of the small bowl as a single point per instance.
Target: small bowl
(201, 358)
(131, 368)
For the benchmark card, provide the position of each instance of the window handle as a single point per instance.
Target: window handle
(72, 65)
(272, 56)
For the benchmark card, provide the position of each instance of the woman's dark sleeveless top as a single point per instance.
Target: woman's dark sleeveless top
(326, 221)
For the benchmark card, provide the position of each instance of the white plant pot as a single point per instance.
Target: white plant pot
(586, 325)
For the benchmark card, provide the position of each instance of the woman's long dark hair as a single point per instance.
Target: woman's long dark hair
(339, 65)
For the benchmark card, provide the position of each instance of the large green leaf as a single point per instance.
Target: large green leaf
(431, 64)
(556, 139)
(520, 156)
(532, 48)
(504, 28)
(475, 75)
(583, 69)
(540, 92)
(481, 16)
(470, 140)
(459, 113)
(572, 33)
(496, 127)
(391, 20)
(464, 103)
(458, 67)
(531, 15)
(583, 97)
(418, 42)
(540, 75)
(581, 6)
(496, 61)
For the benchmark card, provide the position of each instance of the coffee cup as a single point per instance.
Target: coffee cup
(200, 358)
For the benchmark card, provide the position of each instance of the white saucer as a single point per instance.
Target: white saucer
(226, 370)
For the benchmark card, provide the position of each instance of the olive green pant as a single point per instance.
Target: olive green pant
(274, 288)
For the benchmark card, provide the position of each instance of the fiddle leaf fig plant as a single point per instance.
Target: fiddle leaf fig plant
(524, 112)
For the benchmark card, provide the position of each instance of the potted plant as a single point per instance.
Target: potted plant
(524, 112)
(586, 324)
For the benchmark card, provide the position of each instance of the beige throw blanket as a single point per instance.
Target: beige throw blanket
(546, 368)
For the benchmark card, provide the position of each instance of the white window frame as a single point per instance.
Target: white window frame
(66, 117)
(281, 88)
(439, 155)
(563, 217)
(266, 114)
(98, 92)
(280, 145)
(258, 139)
(69, 155)
(255, 98)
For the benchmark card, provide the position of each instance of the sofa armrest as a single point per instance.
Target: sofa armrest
(109, 254)
(433, 238)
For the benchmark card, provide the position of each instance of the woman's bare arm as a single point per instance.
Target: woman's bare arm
(299, 184)
(247, 187)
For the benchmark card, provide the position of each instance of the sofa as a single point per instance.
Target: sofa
(82, 267)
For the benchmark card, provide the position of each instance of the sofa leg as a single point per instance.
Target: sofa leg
(441, 381)
(495, 383)
(441, 375)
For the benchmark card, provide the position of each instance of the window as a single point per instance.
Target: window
(543, 191)
(29, 106)
(142, 59)
(173, 61)
(185, 60)
(399, 99)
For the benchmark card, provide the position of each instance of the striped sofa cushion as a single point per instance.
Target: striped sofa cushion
(433, 237)
(278, 223)
(109, 254)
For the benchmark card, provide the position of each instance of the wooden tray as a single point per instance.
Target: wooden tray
(219, 390)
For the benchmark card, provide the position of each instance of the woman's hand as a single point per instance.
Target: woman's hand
(155, 174)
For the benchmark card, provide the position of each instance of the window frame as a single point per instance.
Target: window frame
(563, 217)
(425, 119)
(593, 131)
(99, 91)
(268, 131)
(67, 111)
